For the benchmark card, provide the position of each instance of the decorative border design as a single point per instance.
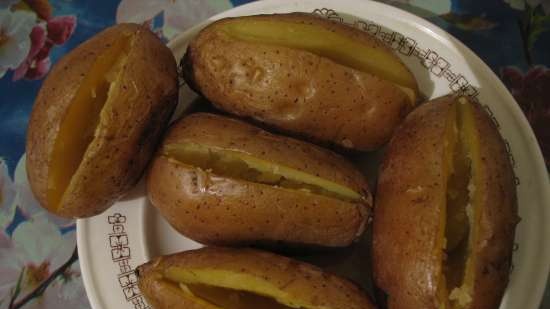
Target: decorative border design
(430, 59)
(121, 256)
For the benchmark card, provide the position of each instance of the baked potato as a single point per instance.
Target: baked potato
(445, 210)
(210, 278)
(221, 181)
(305, 75)
(97, 119)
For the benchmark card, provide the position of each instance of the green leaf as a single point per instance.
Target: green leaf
(539, 24)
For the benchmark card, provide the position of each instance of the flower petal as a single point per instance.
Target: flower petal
(182, 14)
(67, 292)
(61, 28)
(39, 69)
(38, 39)
(7, 196)
(45, 51)
(36, 241)
(17, 27)
(9, 270)
(138, 11)
(5, 241)
(65, 249)
(20, 71)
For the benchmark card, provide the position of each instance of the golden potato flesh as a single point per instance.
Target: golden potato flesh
(223, 278)
(445, 210)
(241, 166)
(96, 120)
(339, 47)
(78, 127)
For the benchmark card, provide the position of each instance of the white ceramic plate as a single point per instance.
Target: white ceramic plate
(112, 244)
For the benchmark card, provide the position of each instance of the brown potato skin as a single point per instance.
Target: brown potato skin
(295, 90)
(219, 210)
(125, 141)
(300, 280)
(498, 218)
(407, 220)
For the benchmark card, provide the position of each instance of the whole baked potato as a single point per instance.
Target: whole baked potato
(304, 75)
(216, 278)
(97, 119)
(445, 210)
(219, 180)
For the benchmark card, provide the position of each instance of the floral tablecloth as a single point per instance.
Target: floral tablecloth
(38, 267)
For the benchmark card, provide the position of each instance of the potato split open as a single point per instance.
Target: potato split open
(83, 115)
(321, 41)
(246, 167)
(231, 278)
(222, 181)
(232, 299)
(96, 120)
(460, 209)
(230, 290)
(305, 75)
(445, 210)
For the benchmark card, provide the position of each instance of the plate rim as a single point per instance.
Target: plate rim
(481, 68)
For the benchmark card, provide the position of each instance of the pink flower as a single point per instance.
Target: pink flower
(532, 92)
(37, 63)
(38, 40)
(15, 43)
(61, 28)
(38, 69)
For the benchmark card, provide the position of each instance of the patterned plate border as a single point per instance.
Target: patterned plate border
(121, 256)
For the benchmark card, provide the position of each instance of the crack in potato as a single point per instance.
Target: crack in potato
(232, 299)
(242, 166)
(229, 290)
(325, 43)
(460, 209)
(77, 130)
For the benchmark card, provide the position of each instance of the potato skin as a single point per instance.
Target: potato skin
(498, 217)
(300, 280)
(219, 210)
(129, 129)
(411, 189)
(296, 90)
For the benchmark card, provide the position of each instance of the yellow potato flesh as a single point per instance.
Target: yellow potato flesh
(77, 128)
(231, 290)
(241, 166)
(233, 299)
(460, 210)
(329, 44)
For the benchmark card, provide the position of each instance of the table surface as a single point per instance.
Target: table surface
(37, 250)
